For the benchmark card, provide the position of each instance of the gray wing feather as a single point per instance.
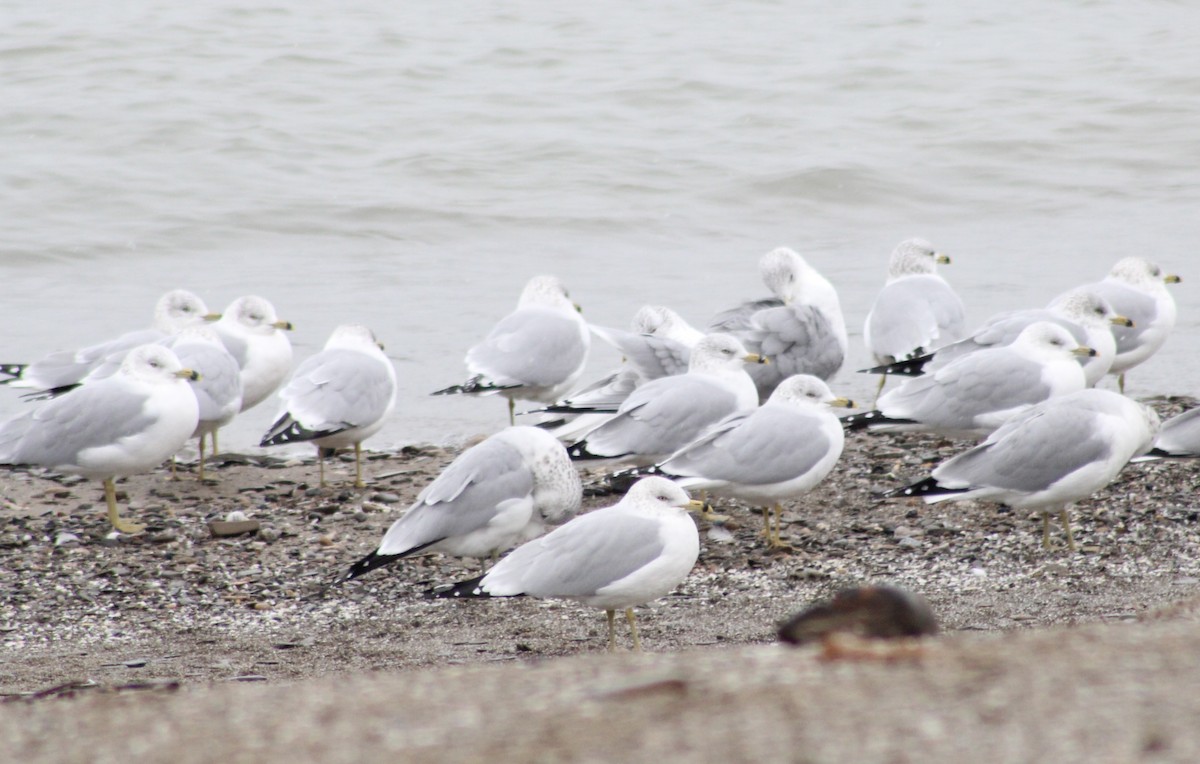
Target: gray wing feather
(1181, 434)
(798, 339)
(535, 347)
(652, 356)
(66, 367)
(914, 315)
(741, 318)
(338, 388)
(220, 383)
(981, 383)
(662, 415)
(1131, 303)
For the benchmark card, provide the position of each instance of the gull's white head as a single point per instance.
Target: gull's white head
(1142, 274)
(178, 309)
(1043, 339)
(546, 291)
(806, 390)
(657, 493)
(914, 256)
(1088, 309)
(354, 337)
(155, 364)
(720, 351)
(254, 315)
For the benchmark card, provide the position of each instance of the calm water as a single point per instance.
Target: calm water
(410, 167)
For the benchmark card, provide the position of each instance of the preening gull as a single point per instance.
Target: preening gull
(666, 414)
(613, 558)
(916, 311)
(535, 353)
(62, 369)
(124, 424)
(1052, 455)
(980, 391)
(800, 328)
(495, 495)
(337, 398)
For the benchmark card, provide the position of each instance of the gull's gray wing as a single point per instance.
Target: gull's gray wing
(741, 318)
(580, 558)
(1131, 303)
(662, 415)
(1001, 330)
(912, 316)
(92, 416)
(770, 445)
(1180, 435)
(219, 388)
(1031, 452)
(67, 367)
(338, 389)
(652, 356)
(463, 498)
(797, 339)
(534, 347)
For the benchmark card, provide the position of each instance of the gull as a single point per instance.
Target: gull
(62, 369)
(1083, 312)
(254, 335)
(1179, 438)
(768, 455)
(121, 425)
(978, 392)
(916, 311)
(339, 397)
(1056, 453)
(1137, 288)
(218, 391)
(664, 414)
(535, 353)
(495, 495)
(614, 558)
(800, 328)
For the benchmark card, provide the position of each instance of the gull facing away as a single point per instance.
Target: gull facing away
(800, 328)
(613, 558)
(62, 369)
(980, 391)
(916, 311)
(665, 414)
(1056, 453)
(124, 424)
(1084, 313)
(535, 353)
(339, 397)
(1137, 288)
(495, 495)
(766, 456)
(254, 335)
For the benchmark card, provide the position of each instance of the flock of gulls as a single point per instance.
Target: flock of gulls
(740, 409)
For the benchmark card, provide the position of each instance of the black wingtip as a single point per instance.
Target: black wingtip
(49, 393)
(473, 385)
(909, 367)
(367, 564)
(468, 589)
(288, 430)
(578, 452)
(869, 419)
(927, 487)
(13, 370)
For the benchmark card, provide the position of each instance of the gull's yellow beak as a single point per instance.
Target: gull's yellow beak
(211, 317)
(578, 307)
(1121, 321)
(285, 325)
(1084, 350)
(755, 358)
(188, 374)
(695, 506)
(1172, 279)
(842, 403)
(943, 259)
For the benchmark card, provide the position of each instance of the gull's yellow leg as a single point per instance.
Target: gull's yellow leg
(215, 448)
(358, 481)
(174, 475)
(1064, 517)
(110, 498)
(1121, 382)
(200, 476)
(612, 630)
(512, 411)
(879, 390)
(1045, 530)
(767, 523)
(321, 464)
(637, 643)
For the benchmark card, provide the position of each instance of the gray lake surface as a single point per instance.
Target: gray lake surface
(410, 165)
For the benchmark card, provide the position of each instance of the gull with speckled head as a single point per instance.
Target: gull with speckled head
(768, 455)
(1084, 313)
(614, 558)
(916, 311)
(980, 391)
(337, 398)
(800, 328)
(60, 370)
(124, 424)
(1137, 288)
(495, 495)
(665, 414)
(535, 353)
(1052, 455)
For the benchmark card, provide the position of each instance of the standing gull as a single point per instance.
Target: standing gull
(1054, 454)
(1137, 288)
(62, 369)
(980, 391)
(1084, 313)
(666, 414)
(916, 311)
(800, 328)
(254, 335)
(766, 456)
(218, 391)
(495, 495)
(613, 558)
(339, 397)
(536, 353)
(124, 424)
